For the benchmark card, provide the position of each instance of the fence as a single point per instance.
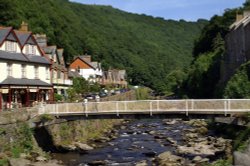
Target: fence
(205, 106)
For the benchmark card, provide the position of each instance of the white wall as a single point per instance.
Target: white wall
(4, 72)
(27, 52)
(18, 49)
(86, 73)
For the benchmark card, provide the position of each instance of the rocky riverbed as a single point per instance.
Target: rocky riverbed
(151, 142)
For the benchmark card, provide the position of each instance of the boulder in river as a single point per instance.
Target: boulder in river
(142, 163)
(83, 147)
(168, 159)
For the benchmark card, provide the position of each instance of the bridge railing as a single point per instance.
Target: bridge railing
(150, 106)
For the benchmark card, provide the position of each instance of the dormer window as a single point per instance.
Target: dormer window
(10, 46)
(30, 49)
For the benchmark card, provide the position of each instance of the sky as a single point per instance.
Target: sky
(189, 10)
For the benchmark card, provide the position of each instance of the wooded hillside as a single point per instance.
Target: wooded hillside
(152, 50)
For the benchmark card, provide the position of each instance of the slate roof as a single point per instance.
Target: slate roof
(20, 57)
(22, 36)
(37, 59)
(24, 81)
(73, 74)
(12, 56)
(3, 33)
(81, 57)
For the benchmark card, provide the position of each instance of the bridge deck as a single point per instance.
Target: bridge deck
(150, 107)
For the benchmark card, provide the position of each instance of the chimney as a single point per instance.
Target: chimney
(239, 17)
(246, 13)
(41, 40)
(87, 58)
(24, 27)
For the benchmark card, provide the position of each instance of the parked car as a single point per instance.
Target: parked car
(103, 94)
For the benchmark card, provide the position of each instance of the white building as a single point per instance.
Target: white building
(25, 72)
(89, 70)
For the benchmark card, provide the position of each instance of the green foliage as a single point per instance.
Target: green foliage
(58, 97)
(80, 85)
(221, 162)
(142, 93)
(46, 117)
(204, 76)
(148, 48)
(239, 85)
(72, 96)
(25, 140)
(217, 26)
(4, 162)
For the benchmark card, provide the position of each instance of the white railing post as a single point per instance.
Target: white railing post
(229, 105)
(86, 110)
(57, 109)
(225, 107)
(67, 107)
(192, 104)
(151, 108)
(186, 107)
(125, 106)
(117, 109)
(158, 105)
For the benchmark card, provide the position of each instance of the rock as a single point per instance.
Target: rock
(149, 154)
(172, 122)
(69, 147)
(142, 163)
(168, 159)
(152, 132)
(99, 162)
(197, 159)
(204, 160)
(19, 162)
(41, 158)
(197, 123)
(123, 127)
(201, 130)
(241, 159)
(83, 147)
(171, 140)
(197, 149)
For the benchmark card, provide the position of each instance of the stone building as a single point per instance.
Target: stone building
(237, 46)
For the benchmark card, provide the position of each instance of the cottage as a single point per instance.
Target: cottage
(115, 78)
(59, 73)
(89, 70)
(25, 72)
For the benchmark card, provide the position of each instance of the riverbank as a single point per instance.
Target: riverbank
(28, 140)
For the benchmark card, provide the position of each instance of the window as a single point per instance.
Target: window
(78, 69)
(9, 69)
(33, 50)
(30, 49)
(58, 74)
(10, 46)
(36, 72)
(23, 69)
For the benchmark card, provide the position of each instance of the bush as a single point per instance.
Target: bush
(58, 97)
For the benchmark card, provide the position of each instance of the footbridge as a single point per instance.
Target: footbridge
(200, 108)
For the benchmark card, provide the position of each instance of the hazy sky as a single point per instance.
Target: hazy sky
(190, 10)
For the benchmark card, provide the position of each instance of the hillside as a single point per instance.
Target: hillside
(148, 48)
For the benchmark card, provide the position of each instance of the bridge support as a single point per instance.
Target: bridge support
(186, 107)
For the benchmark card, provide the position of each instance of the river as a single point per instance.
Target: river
(138, 140)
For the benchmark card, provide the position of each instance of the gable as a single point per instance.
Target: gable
(11, 37)
(30, 41)
(80, 63)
